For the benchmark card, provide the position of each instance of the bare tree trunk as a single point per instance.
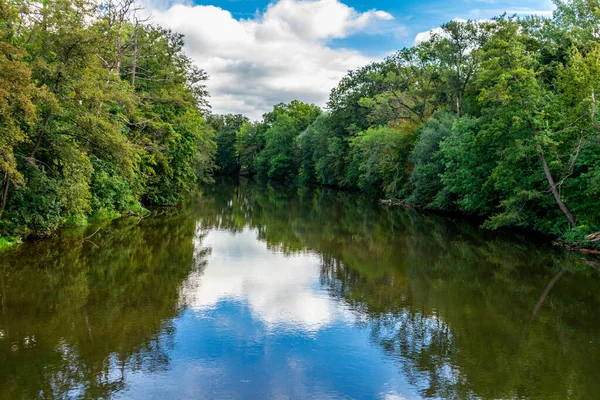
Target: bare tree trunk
(546, 293)
(5, 186)
(594, 121)
(134, 56)
(118, 48)
(555, 193)
(40, 137)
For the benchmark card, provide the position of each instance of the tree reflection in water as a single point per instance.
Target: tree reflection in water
(77, 314)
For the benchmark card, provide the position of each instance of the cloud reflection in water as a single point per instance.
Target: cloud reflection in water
(282, 291)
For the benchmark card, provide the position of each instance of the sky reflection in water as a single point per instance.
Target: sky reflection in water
(259, 324)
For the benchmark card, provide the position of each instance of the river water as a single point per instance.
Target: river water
(251, 291)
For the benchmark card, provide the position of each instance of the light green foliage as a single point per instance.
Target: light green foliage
(580, 18)
(17, 111)
(410, 87)
(456, 47)
(379, 159)
(269, 149)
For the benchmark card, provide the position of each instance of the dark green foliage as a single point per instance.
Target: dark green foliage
(36, 205)
(428, 164)
(379, 160)
(226, 128)
(322, 154)
(467, 164)
(111, 193)
(270, 149)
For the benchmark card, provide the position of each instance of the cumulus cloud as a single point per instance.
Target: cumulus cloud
(542, 8)
(277, 55)
(427, 35)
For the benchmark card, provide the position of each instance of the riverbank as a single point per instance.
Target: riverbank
(590, 244)
(99, 219)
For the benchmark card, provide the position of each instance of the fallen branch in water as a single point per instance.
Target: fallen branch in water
(396, 202)
(95, 245)
(594, 237)
(89, 237)
(144, 216)
(590, 251)
(592, 264)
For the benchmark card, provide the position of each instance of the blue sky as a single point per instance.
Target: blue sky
(259, 53)
(416, 16)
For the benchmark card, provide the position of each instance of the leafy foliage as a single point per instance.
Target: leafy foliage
(98, 113)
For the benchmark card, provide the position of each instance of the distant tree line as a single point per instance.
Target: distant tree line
(497, 119)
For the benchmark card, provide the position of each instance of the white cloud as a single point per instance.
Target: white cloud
(278, 55)
(426, 36)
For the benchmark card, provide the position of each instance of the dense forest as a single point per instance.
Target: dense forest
(496, 119)
(101, 113)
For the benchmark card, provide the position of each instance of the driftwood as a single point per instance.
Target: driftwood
(594, 237)
(396, 202)
(590, 251)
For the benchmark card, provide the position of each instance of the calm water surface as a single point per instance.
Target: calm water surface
(255, 292)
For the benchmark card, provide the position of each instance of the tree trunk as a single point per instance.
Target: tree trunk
(555, 193)
(118, 48)
(134, 57)
(5, 186)
(40, 137)
(594, 121)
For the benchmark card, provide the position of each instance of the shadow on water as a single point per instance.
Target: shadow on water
(463, 313)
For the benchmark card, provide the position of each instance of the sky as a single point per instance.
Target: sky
(259, 53)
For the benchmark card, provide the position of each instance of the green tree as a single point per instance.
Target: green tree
(226, 127)
(379, 160)
(428, 164)
(411, 86)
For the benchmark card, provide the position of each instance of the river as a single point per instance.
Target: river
(253, 291)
